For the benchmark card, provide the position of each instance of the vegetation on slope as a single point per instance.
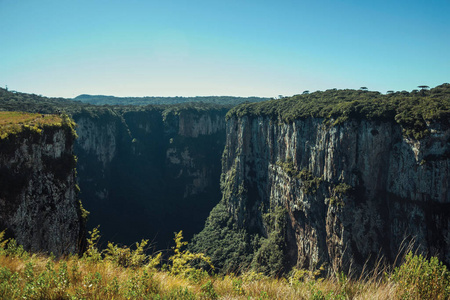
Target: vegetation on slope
(125, 273)
(229, 246)
(15, 101)
(414, 111)
(309, 182)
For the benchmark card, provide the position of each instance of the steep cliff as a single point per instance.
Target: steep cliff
(303, 191)
(38, 195)
(148, 172)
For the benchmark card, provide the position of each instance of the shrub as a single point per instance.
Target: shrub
(419, 278)
(14, 249)
(3, 241)
(181, 260)
(92, 253)
(125, 257)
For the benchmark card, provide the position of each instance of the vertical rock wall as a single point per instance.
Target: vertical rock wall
(38, 194)
(351, 192)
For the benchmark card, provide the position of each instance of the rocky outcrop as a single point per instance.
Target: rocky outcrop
(38, 196)
(155, 169)
(350, 192)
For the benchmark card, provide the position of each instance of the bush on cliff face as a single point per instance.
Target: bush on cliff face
(310, 184)
(270, 257)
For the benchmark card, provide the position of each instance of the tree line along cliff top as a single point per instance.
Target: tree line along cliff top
(414, 111)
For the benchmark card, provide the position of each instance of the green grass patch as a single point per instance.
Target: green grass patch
(13, 122)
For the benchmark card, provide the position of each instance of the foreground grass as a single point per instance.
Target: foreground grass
(124, 273)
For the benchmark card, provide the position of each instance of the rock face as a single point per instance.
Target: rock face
(349, 193)
(156, 171)
(38, 199)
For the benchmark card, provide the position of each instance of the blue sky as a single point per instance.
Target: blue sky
(240, 48)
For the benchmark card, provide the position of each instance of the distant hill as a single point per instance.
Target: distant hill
(16, 101)
(112, 100)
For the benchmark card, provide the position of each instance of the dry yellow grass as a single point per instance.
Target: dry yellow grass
(99, 276)
(107, 280)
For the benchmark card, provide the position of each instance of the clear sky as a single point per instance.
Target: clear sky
(62, 48)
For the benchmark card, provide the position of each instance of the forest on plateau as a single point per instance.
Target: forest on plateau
(412, 110)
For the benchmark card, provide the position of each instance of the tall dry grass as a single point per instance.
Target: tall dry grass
(38, 276)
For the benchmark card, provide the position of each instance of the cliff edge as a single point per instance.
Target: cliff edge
(38, 192)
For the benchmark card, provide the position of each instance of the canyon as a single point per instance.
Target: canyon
(269, 186)
(149, 173)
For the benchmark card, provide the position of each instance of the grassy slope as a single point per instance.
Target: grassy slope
(124, 273)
